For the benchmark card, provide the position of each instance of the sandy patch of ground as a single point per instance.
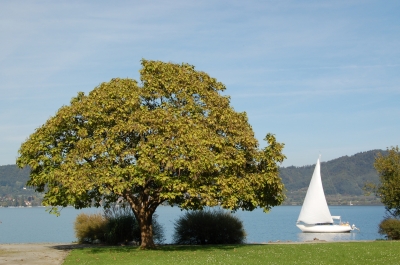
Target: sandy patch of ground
(34, 254)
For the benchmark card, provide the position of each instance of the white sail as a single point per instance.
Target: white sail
(315, 209)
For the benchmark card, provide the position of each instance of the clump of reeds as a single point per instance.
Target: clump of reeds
(89, 227)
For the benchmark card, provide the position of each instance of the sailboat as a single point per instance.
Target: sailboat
(315, 216)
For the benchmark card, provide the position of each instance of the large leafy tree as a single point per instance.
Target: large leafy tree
(388, 167)
(170, 138)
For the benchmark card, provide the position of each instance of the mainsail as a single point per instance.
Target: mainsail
(315, 209)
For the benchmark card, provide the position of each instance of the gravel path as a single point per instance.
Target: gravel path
(34, 254)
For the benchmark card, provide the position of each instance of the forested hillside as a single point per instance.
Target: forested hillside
(13, 190)
(343, 180)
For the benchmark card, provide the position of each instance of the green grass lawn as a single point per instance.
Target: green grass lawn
(378, 252)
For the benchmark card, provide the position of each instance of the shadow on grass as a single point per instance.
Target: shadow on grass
(68, 247)
(164, 248)
(167, 248)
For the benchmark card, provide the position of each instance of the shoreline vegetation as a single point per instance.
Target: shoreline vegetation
(296, 199)
(284, 204)
(354, 203)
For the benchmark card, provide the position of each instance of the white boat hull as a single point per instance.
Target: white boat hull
(324, 228)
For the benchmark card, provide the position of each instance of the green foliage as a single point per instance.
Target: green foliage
(121, 229)
(172, 137)
(335, 253)
(89, 227)
(388, 167)
(208, 227)
(390, 227)
(121, 225)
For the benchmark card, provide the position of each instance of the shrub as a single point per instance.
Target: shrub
(89, 227)
(208, 227)
(390, 227)
(121, 229)
(120, 225)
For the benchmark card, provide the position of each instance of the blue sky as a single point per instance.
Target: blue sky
(323, 76)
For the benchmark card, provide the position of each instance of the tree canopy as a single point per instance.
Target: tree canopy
(170, 138)
(388, 167)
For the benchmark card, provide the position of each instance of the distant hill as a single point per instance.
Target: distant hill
(343, 179)
(344, 176)
(12, 179)
(13, 190)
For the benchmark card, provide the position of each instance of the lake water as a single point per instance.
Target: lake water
(34, 225)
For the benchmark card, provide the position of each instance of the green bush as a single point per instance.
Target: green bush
(116, 225)
(208, 227)
(89, 227)
(120, 225)
(120, 230)
(390, 227)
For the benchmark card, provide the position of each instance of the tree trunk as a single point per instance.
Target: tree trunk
(143, 208)
(146, 229)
